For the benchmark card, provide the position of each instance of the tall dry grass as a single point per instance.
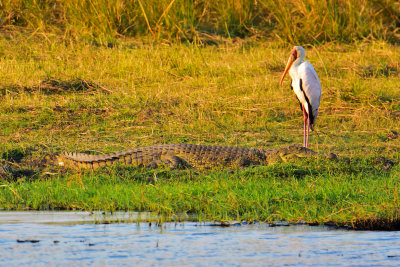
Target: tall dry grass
(307, 21)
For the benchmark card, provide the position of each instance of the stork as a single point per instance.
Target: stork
(306, 86)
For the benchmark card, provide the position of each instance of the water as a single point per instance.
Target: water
(69, 238)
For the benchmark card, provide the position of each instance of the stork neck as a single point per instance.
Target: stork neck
(298, 61)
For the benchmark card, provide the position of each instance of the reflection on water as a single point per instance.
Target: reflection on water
(53, 241)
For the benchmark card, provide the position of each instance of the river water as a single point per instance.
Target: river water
(72, 238)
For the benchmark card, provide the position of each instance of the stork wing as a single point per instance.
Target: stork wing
(311, 85)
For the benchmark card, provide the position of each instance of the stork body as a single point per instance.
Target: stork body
(306, 86)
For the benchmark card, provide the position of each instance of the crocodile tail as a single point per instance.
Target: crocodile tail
(60, 160)
(72, 160)
(83, 161)
(86, 161)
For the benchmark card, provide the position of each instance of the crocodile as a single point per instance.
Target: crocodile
(188, 156)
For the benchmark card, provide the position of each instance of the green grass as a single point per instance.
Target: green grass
(77, 96)
(316, 192)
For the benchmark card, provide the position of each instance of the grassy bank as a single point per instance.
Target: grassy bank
(306, 21)
(317, 192)
(57, 96)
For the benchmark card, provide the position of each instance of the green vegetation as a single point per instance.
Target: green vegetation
(299, 21)
(317, 192)
(63, 89)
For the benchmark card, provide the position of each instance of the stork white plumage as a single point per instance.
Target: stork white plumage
(306, 86)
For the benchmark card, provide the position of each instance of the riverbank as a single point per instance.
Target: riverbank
(80, 96)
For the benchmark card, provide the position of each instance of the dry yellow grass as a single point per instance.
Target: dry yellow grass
(225, 95)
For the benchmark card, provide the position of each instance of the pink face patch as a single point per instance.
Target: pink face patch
(294, 53)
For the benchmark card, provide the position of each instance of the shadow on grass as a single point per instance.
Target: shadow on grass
(54, 86)
(383, 70)
(21, 164)
(14, 155)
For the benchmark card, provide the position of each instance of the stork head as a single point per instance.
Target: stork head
(296, 55)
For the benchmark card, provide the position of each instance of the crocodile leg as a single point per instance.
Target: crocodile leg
(172, 161)
(243, 162)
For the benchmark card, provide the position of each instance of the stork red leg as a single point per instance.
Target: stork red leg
(305, 118)
(308, 130)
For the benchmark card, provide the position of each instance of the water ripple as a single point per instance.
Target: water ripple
(193, 244)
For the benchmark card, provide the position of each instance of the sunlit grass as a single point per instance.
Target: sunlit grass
(305, 21)
(212, 95)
